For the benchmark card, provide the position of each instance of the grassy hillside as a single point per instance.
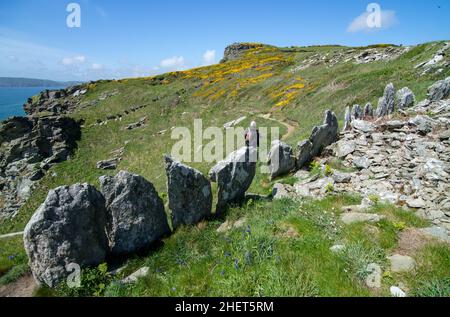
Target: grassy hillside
(284, 87)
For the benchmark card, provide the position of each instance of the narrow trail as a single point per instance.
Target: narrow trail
(11, 235)
(290, 128)
(23, 287)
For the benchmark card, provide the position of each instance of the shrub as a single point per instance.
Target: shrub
(93, 283)
(328, 170)
(316, 169)
(374, 198)
(329, 188)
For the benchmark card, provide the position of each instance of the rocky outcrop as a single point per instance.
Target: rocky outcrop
(235, 51)
(136, 213)
(234, 175)
(386, 104)
(56, 102)
(190, 196)
(281, 159)
(68, 228)
(29, 147)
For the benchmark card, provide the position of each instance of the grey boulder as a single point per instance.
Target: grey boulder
(405, 98)
(234, 176)
(439, 90)
(136, 213)
(68, 228)
(386, 104)
(190, 196)
(304, 153)
(281, 159)
(324, 135)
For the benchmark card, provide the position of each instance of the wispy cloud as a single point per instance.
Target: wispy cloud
(209, 57)
(173, 63)
(360, 23)
(78, 59)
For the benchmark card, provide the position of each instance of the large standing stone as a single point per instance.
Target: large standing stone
(439, 90)
(348, 119)
(281, 159)
(368, 111)
(386, 103)
(190, 197)
(69, 227)
(324, 135)
(357, 112)
(405, 98)
(137, 217)
(304, 153)
(234, 176)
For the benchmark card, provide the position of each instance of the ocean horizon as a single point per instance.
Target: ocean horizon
(13, 99)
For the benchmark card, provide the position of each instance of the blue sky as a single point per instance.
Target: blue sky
(135, 38)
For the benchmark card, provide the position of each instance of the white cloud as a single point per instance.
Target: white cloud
(96, 66)
(209, 57)
(173, 63)
(360, 23)
(78, 59)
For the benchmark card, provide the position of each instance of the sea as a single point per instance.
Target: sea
(12, 100)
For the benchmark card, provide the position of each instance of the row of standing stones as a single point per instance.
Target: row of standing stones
(402, 159)
(78, 224)
(327, 134)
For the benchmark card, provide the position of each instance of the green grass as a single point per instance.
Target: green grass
(13, 260)
(192, 260)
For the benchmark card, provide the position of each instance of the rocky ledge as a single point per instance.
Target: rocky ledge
(29, 146)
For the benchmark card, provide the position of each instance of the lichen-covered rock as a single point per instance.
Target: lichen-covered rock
(386, 104)
(281, 159)
(439, 90)
(405, 98)
(136, 213)
(324, 135)
(190, 196)
(303, 153)
(69, 227)
(234, 176)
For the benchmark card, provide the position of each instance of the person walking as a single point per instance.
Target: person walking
(252, 136)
